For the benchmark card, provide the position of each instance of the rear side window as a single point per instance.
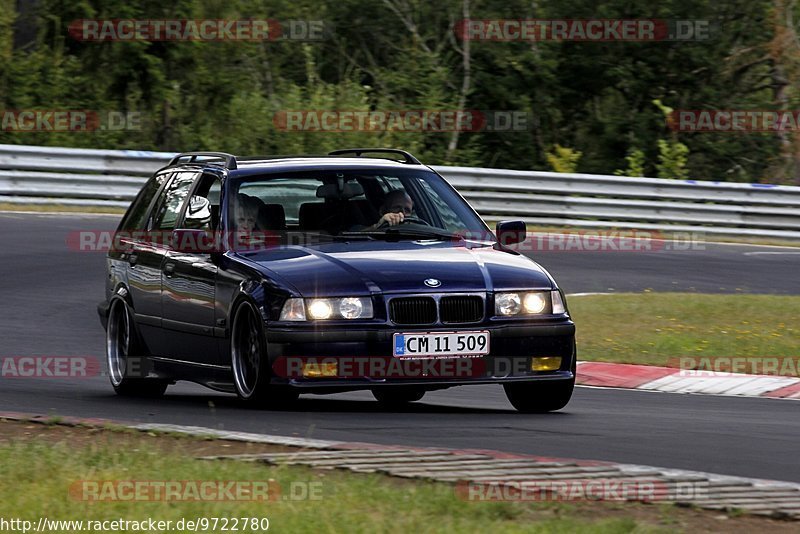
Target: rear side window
(136, 217)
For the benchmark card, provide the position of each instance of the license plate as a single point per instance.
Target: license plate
(441, 344)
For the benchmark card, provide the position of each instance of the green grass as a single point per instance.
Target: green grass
(50, 208)
(35, 477)
(666, 234)
(650, 328)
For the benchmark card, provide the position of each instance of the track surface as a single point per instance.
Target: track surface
(48, 308)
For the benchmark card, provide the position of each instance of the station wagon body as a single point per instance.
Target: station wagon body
(317, 293)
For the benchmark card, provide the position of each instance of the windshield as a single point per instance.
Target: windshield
(352, 203)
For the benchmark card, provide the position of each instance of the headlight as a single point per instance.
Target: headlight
(320, 309)
(297, 309)
(529, 303)
(534, 302)
(507, 304)
(355, 308)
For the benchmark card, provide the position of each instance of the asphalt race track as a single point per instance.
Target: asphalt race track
(49, 293)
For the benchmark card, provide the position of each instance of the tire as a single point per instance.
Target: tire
(397, 396)
(122, 347)
(542, 397)
(250, 364)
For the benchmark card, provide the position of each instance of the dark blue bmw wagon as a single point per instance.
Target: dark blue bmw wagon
(271, 277)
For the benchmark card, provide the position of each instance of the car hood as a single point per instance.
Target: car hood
(354, 268)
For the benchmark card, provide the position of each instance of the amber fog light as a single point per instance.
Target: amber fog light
(320, 369)
(546, 363)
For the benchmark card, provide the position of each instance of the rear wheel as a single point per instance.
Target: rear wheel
(251, 369)
(394, 397)
(125, 357)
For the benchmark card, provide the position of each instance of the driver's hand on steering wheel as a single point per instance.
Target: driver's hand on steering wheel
(387, 219)
(392, 219)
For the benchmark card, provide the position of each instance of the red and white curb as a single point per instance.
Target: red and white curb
(672, 380)
(480, 469)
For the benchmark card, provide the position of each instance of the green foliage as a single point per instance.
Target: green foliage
(597, 98)
(636, 161)
(7, 16)
(672, 158)
(563, 159)
(666, 110)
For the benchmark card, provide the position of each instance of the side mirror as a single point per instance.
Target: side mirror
(510, 232)
(198, 214)
(193, 241)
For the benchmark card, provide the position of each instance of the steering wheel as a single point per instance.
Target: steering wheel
(407, 219)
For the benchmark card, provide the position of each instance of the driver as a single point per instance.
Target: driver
(396, 206)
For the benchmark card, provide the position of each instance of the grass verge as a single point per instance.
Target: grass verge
(60, 208)
(39, 463)
(666, 234)
(652, 328)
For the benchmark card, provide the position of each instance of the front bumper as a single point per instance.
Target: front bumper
(363, 357)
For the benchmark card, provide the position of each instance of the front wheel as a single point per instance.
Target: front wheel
(251, 369)
(544, 396)
(540, 397)
(123, 355)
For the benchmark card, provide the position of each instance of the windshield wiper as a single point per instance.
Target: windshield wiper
(342, 236)
(407, 233)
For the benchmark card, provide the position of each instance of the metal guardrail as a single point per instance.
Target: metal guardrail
(88, 177)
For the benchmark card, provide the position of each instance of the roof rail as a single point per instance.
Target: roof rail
(256, 159)
(229, 159)
(409, 159)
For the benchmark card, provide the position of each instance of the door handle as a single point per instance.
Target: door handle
(169, 270)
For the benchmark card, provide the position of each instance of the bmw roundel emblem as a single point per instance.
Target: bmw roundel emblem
(432, 282)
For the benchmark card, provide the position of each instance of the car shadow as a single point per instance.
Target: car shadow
(305, 404)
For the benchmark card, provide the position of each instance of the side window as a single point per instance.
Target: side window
(202, 213)
(174, 196)
(136, 217)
